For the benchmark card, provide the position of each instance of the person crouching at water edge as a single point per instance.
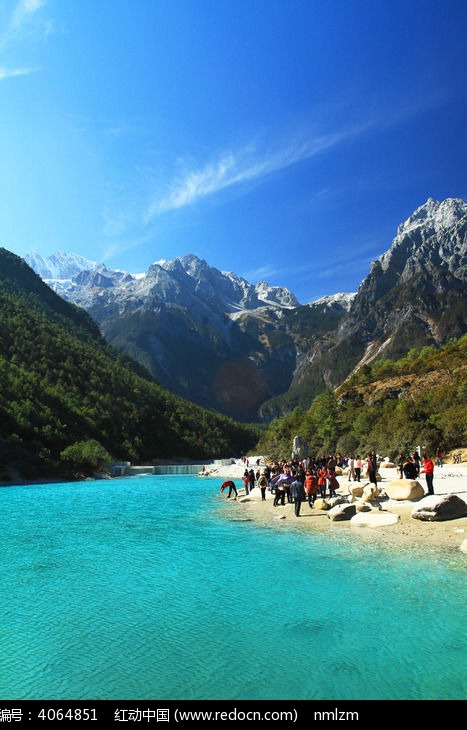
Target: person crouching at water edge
(232, 489)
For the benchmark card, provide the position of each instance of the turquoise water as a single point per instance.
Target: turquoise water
(146, 588)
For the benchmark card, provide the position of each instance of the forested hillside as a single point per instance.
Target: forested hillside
(390, 406)
(69, 400)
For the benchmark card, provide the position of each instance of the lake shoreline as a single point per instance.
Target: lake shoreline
(448, 479)
(446, 535)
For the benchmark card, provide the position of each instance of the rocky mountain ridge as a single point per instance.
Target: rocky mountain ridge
(189, 325)
(414, 295)
(245, 349)
(70, 274)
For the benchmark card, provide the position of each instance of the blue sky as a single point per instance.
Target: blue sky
(283, 140)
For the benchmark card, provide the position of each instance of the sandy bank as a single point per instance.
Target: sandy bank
(449, 479)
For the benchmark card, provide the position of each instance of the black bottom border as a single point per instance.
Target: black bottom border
(169, 712)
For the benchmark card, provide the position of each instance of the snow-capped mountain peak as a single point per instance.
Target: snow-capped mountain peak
(59, 265)
(342, 300)
(434, 233)
(440, 216)
(187, 280)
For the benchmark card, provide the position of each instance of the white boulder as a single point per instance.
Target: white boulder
(374, 519)
(370, 491)
(402, 489)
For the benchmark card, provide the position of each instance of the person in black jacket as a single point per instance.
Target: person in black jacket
(372, 468)
(297, 492)
(410, 469)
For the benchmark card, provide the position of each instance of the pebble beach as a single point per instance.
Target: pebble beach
(448, 534)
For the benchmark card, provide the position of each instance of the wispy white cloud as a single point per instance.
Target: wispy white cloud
(23, 15)
(239, 167)
(262, 273)
(249, 164)
(117, 248)
(6, 73)
(23, 12)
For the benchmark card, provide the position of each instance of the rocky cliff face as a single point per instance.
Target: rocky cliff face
(414, 295)
(220, 341)
(415, 292)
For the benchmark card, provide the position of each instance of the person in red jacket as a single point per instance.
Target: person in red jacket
(311, 487)
(322, 481)
(232, 488)
(428, 469)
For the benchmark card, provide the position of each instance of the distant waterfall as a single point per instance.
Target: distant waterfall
(121, 469)
(177, 469)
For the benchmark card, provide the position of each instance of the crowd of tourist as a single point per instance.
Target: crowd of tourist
(300, 480)
(303, 480)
